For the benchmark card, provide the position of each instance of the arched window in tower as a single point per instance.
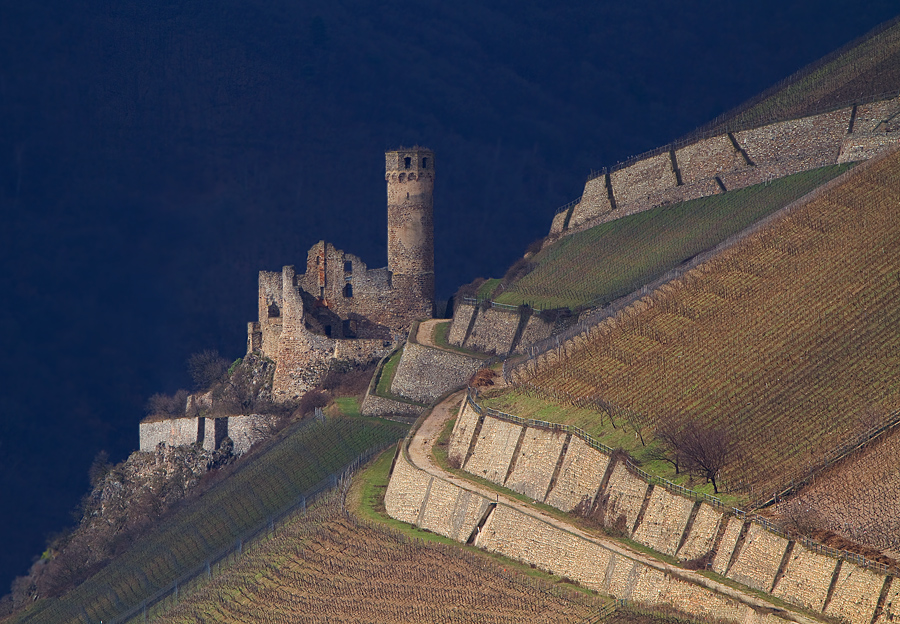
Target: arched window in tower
(274, 312)
(408, 162)
(348, 290)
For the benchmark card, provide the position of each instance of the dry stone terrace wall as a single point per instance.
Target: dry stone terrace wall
(530, 459)
(734, 161)
(244, 431)
(493, 331)
(374, 405)
(459, 327)
(424, 374)
(445, 508)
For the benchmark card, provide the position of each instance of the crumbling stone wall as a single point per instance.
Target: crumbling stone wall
(171, 431)
(423, 373)
(245, 431)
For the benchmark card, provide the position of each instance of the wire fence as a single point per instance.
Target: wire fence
(714, 501)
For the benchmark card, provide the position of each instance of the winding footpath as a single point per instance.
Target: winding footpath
(420, 453)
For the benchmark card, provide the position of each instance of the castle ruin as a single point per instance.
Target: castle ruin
(339, 309)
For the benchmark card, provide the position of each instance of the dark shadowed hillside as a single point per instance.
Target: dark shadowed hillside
(155, 156)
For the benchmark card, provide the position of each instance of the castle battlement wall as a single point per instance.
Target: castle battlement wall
(590, 483)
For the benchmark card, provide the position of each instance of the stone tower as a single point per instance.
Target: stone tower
(410, 181)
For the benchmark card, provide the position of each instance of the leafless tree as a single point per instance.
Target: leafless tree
(206, 368)
(706, 450)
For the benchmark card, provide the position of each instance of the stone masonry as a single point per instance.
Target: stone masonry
(747, 157)
(535, 462)
(339, 308)
(758, 559)
(579, 476)
(424, 373)
(494, 450)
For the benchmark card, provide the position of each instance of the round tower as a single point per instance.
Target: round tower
(410, 182)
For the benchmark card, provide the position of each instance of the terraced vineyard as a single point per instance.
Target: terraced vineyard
(612, 259)
(214, 523)
(869, 68)
(328, 566)
(790, 340)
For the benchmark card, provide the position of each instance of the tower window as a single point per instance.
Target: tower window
(408, 162)
(328, 330)
(348, 266)
(348, 290)
(321, 292)
(424, 163)
(274, 312)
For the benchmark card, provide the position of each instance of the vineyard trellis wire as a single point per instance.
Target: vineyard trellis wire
(268, 527)
(746, 516)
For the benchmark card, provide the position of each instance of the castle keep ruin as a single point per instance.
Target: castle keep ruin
(339, 309)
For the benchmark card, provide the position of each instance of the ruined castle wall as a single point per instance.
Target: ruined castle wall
(462, 316)
(424, 373)
(171, 431)
(536, 462)
(594, 203)
(806, 578)
(270, 304)
(643, 179)
(214, 431)
(856, 594)
(579, 476)
(361, 351)
(623, 498)
(303, 357)
(664, 521)
(494, 450)
(493, 331)
(708, 158)
(461, 436)
(759, 558)
(702, 537)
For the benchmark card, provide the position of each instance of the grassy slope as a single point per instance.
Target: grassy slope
(613, 259)
(790, 340)
(262, 489)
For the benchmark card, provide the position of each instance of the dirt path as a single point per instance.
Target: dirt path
(420, 454)
(425, 335)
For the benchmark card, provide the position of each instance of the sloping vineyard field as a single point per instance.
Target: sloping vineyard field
(868, 69)
(264, 488)
(789, 340)
(612, 259)
(328, 566)
(858, 498)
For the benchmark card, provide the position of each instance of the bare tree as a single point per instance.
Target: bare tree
(705, 450)
(207, 368)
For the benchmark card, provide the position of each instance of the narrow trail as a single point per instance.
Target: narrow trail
(420, 452)
(425, 335)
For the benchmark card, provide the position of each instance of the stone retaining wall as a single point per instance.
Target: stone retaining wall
(418, 498)
(656, 517)
(759, 559)
(244, 431)
(423, 373)
(493, 331)
(535, 463)
(495, 447)
(381, 407)
(579, 477)
(462, 316)
(806, 579)
(776, 150)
